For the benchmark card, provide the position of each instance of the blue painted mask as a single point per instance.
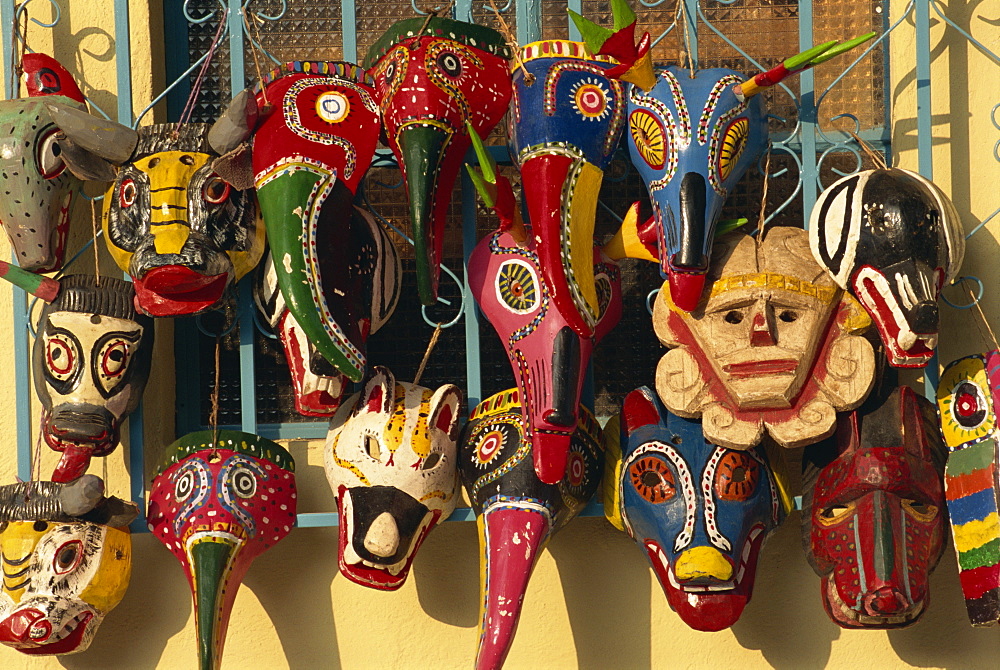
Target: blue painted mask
(692, 140)
(701, 512)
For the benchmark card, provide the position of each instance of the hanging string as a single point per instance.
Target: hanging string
(36, 460)
(431, 13)
(97, 260)
(874, 156)
(256, 45)
(763, 197)
(202, 73)
(508, 35)
(213, 417)
(19, 44)
(982, 317)
(686, 47)
(427, 354)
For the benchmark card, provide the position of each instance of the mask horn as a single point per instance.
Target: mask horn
(44, 75)
(39, 286)
(797, 63)
(635, 60)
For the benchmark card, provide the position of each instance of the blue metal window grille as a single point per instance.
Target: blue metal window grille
(810, 148)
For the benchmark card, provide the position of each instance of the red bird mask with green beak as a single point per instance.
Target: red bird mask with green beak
(431, 76)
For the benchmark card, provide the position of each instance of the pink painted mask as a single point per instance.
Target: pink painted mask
(217, 502)
(873, 519)
(549, 358)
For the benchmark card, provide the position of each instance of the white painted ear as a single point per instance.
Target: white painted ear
(444, 410)
(377, 393)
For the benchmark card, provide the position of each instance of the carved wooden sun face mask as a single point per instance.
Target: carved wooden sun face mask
(873, 512)
(692, 140)
(40, 190)
(390, 458)
(217, 502)
(564, 129)
(700, 512)
(893, 239)
(314, 127)
(967, 399)
(517, 513)
(772, 345)
(67, 558)
(90, 364)
(431, 76)
(548, 356)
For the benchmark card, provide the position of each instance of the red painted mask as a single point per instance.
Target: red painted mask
(873, 512)
(431, 76)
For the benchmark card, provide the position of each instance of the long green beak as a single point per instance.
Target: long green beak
(211, 567)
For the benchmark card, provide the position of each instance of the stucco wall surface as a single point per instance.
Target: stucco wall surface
(593, 602)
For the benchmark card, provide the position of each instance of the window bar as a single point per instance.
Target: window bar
(348, 34)
(529, 21)
(576, 6)
(474, 386)
(807, 116)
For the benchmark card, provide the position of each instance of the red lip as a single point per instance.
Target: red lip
(175, 290)
(753, 368)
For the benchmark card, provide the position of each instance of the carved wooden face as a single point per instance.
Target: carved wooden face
(517, 513)
(968, 395)
(308, 157)
(564, 129)
(771, 345)
(91, 362)
(431, 76)
(549, 358)
(692, 140)
(700, 512)
(39, 189)
(217, 502)
(60, 578)
(873, 512)
(893, 239)
(390, 458)
(181, 232)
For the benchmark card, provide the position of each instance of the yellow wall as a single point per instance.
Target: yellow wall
(593, 601)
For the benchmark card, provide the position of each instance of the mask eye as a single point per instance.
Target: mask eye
(834, 514)
(920, 511)
(127, 193)
(602, 285)
(431, 461)
(493, 439)
(184, 486)
(333, 106)
(372, 447)
(67, 557)
(244, 483)
(969, 405)
(48, 156)
(653, 479)
(516, 286)
(215, 190)
(649, 138)
(736, 476)
(62, 356)
(591, 100)
(450, 64)
(113, 359)
(732, 146)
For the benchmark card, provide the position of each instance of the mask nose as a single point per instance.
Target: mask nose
(924, 318)
(27, 625)
(703, 565)
(885, 601)
(382, 538)
(762, 329)
(693, 225)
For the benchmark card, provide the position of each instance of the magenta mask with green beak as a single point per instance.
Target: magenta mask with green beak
(517, 513)
(431, 76)
(313, 127)
(219, 500)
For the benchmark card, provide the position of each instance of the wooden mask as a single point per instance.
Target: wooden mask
(432, 75)
(968, 399)
(218, 500)
(892, 239)
(390, 458)
(516, 512)
(40, 191)
(67, 558)
(90, 364)
(564, 129)
(773, 345)
(692, 139)
(548, 356)
(177, 228)
(317, 386)
(700, 512)
(873, 511)
(314, 127)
